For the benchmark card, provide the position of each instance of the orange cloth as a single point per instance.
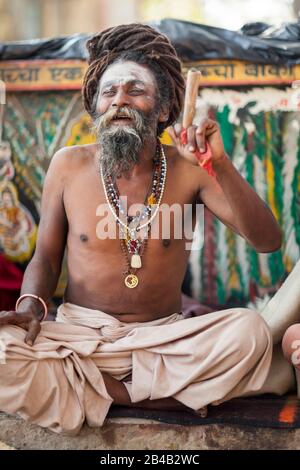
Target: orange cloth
(204, 158)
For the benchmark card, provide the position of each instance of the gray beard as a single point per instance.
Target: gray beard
(120, 146)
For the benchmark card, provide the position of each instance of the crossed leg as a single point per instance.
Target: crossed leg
(118, 392)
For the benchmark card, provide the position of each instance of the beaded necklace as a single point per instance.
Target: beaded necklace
(133, 243)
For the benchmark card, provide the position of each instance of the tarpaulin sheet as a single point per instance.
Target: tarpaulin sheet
(255, 42)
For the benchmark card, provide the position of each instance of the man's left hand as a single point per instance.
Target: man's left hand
(207, 131)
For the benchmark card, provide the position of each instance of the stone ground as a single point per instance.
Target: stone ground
(133, 434)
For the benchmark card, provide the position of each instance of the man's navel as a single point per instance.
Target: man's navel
(84, 237)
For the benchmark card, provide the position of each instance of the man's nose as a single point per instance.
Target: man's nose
(120, 99)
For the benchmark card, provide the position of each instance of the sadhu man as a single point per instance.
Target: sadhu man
(120, 336)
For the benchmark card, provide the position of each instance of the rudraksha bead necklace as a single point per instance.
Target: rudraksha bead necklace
(133, 243)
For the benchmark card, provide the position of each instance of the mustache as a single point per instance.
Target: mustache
(103, 120)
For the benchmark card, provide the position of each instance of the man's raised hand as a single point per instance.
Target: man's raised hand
(196, 140)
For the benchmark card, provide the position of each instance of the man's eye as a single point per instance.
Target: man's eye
(108, 93)
(136, 91)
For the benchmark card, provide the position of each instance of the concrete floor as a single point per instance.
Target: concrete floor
(133, 434)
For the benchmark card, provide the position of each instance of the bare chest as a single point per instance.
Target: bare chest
(91, 220)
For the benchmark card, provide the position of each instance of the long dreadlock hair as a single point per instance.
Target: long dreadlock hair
(144, 45)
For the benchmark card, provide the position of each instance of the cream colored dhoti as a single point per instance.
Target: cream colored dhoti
(57, 383)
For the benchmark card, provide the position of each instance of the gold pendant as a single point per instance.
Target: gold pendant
(131, 281)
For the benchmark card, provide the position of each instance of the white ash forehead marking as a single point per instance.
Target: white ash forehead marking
(126, 72)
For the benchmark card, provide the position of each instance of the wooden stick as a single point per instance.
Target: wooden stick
(191, 93)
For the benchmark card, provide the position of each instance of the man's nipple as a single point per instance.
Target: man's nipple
(84, 237)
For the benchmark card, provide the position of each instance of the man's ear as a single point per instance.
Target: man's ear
(164, 114)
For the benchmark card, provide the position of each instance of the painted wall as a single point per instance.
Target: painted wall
(35, 126)
(260, 127)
